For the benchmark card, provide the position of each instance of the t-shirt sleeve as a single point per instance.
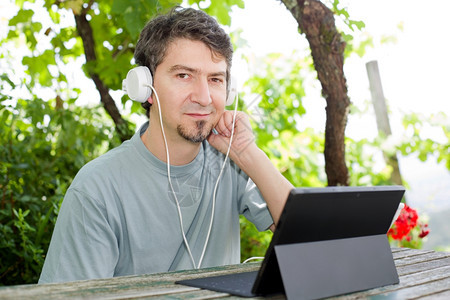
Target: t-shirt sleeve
(253, 206)
(83, 245)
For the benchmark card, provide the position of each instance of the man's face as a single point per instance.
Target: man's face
(191, 85)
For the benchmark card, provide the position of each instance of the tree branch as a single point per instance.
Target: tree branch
(85, 31)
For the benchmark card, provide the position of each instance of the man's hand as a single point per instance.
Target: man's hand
(252, 160)
(243, 138)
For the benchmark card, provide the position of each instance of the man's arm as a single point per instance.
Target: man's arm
(273, 186)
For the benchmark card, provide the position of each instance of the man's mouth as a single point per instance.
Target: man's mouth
(197, 115)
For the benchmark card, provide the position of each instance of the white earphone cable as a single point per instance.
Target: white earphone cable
(173, 191)
(169, 177)
(253, 258)
(217, 182)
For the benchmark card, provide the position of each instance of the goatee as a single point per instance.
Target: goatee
(197, 135)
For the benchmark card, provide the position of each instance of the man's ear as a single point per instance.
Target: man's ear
(150, 100)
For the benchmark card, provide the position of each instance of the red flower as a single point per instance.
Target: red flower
(424, 232)
(406, 221)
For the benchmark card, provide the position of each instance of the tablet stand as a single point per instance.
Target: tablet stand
(335, 267)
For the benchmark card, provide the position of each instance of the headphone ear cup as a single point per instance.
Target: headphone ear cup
(232, 92)
(137, 84)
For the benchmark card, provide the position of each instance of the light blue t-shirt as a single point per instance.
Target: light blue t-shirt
(119, 216)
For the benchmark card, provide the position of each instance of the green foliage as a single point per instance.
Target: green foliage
(427, 137)
(351, 29)
(220, 9)
(277, 119)
(274, 104)
(23, 22)
(345, 16)
(363, 164)
(42, 146)
(253, 242)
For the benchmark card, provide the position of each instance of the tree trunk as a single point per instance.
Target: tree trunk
(316, 21)
(85, 31)
(382, 117)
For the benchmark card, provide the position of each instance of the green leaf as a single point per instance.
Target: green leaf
(38, 67)
(23, 16)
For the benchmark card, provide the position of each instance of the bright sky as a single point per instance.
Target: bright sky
(412, 70)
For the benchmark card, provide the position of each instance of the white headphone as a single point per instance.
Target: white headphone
(138, 86)
(139, 79)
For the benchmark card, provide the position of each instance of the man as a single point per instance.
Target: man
(119, 216)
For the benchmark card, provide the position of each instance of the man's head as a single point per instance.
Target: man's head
(181, 23)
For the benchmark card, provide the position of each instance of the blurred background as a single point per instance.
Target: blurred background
(52, 121)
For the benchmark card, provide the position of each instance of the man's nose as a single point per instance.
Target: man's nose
(201, 93)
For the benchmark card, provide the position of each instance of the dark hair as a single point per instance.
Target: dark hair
(187, 23)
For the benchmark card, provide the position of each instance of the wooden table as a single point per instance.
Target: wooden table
(423, 274)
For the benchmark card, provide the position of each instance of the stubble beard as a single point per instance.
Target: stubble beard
(198, 134)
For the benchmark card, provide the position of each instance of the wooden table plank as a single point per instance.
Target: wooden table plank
(431, 280)
(145, 285)
(193, 293)
(421, 290)
(422, 266)
(423, 274)
(419, 257)
(445, 295)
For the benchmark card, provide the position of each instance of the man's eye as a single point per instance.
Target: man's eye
(217, 80)
(183, 75)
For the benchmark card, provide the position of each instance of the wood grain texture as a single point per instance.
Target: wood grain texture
(424, 274)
